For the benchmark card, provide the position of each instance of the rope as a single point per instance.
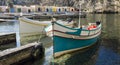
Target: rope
(41, 35)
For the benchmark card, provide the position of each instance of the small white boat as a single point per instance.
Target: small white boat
(29, 26)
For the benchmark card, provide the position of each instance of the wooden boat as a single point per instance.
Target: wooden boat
(29, 26)
(67, 39)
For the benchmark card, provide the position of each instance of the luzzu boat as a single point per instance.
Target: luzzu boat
(67, 39)
(29, 26)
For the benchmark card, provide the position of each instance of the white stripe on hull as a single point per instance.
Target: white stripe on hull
(74, 36)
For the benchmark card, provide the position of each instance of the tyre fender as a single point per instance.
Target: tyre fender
(37, 51)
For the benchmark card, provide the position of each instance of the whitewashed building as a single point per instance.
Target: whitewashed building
(36, 8)
(3, 8)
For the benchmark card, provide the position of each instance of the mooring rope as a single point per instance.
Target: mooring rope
(41, 34)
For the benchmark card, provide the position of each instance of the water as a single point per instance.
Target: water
(8, 27)
(47, 43)
(107, 52)
(11, 27)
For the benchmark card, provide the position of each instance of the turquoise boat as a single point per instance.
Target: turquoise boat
(67, 39)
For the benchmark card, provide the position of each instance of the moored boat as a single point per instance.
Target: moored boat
(67, 39)
(29, 26)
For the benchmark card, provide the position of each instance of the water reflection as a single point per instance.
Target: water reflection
(107, 57)
(8, 26)
(109, 49)
(84, 57)
(47, 58)
(112, 32)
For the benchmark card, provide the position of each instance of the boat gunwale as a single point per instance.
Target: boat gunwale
(34, 23)
(98, 27)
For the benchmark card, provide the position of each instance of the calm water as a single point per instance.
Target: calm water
(106, 52)
(7, 27)
(109, 51)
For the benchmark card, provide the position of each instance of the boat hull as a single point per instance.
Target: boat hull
(66, 44)
(66, 39)
(30, 28)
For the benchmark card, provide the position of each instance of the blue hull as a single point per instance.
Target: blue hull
(63, 44)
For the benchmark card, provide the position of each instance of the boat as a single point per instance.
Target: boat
(30, 26)
(67, 39)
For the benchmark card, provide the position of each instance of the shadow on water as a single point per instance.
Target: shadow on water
(109, 51)
(82, 57)
(110, 35)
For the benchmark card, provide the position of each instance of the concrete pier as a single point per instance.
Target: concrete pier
(57, 16)
(14, 55)
(7, 40)
(38, 16)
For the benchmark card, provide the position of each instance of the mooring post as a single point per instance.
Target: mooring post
(17, 32)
